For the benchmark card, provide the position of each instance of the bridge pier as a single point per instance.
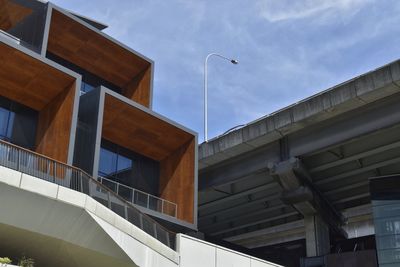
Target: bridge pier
(317, 236)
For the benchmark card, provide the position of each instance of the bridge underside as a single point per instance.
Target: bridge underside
(267, 191)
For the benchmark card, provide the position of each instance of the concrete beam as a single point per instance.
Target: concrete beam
(346, 188)
(237, 195)
(239, 168)
(256, 222)
(368, 168)
(355, 157)
(267, 231)
(273, 239)
(353, 197)
(245, 215)
(236, 207)
(366, 120)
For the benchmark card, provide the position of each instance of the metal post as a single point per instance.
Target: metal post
(55, 172)
(126, 212)
(80, 174)
(206, 99)
(233, 61)
(155, 230)
(141, 220)
(109, 199)
(18, 159)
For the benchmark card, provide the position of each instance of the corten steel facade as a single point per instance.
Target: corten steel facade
(73, 94)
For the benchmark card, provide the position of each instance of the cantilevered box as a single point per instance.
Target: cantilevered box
(42, 98)
(73, 40)
(105, 116)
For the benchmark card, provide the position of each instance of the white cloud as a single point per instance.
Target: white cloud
(281, 10)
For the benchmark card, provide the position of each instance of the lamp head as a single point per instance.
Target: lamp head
(234, 61)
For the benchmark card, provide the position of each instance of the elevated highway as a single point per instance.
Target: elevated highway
(298, 178)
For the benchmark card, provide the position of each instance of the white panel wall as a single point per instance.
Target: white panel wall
(197, 253)
(227, 258)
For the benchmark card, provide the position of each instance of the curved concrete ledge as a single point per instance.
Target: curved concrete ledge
(82, 207)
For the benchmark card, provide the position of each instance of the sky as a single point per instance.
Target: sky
(287, 50)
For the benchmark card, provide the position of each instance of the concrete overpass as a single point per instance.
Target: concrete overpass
(297, 179)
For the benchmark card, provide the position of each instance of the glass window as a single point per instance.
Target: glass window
(123, 163)
(129, 168)
(6, 123)
(85, 87)
(108, 163)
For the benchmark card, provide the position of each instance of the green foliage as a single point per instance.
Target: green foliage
(26, 262)
(5, 260)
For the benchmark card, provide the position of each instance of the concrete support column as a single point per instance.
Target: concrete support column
(317, 236)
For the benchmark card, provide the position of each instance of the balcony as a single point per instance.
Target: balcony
(50, 170)
(140, 198)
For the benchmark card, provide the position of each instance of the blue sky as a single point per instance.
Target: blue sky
(288, 50)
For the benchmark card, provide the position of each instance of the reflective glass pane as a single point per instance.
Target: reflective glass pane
(85, 87)
(10, 125)
(6, 121)
(108, 162)
(124, 164)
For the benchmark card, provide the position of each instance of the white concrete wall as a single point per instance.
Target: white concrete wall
(197, 253)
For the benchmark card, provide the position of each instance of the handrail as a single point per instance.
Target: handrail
(45, 168)
(167, 207)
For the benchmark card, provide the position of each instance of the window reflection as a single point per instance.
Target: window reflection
(17, 123)
(128, 168)
(108, 163)
(85, 87)
(6, 124)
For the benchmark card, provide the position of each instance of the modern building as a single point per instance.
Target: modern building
(74, 94)
(90, 175)
(294, 186)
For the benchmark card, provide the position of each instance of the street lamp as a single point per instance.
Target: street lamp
(233, 61)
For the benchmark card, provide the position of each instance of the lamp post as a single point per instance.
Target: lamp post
(233, 61)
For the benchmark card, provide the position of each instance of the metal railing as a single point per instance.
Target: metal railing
(26, 161)
(141, 198)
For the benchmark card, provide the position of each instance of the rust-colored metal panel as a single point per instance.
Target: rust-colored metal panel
(99, 55)
(29, 81)
(138, 89)
(140, 131)
(54, 126)
(177, 180)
